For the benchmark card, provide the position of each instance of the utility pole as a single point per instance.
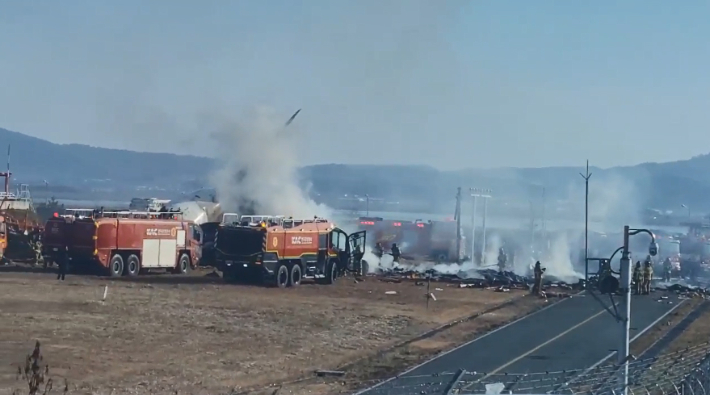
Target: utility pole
(532, 226)
(682, 205)
(483, 242)
(485, 194)
(586, 177)
(457, 217)
(473, 226)
(367, 205)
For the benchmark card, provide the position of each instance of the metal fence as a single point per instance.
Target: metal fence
(685, 372)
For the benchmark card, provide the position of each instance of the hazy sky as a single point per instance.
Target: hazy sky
(448, 83)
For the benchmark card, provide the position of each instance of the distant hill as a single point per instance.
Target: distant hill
(659, 184)
(35, 160)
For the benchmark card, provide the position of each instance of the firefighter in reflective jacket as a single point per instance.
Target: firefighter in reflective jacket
(502, 259)
(638, 278)
(537, 285)
(647, 276)
(667, 269)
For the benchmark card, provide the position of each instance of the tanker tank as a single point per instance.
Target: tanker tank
(207, 215)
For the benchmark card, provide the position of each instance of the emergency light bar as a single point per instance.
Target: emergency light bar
(367, 223)
(397, 224)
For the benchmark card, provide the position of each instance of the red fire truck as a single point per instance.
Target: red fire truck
(284, 251)
(432, 239)
(124, 242)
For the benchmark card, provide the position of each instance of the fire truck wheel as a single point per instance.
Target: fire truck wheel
(183, 264)
(331, 273)
(115, 267)
(281, 276)
(133, 265)
(294, 279)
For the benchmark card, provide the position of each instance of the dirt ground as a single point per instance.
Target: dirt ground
(660, 330)
(194, 334)
(696, 334)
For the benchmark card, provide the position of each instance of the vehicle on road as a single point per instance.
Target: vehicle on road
(283, 252)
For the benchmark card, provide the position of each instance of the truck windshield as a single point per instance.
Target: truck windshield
(230, 219)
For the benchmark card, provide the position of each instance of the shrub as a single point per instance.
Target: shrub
(36, 374)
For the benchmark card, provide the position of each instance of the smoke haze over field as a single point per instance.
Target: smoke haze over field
(258, 161)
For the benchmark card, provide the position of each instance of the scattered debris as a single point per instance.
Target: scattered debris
(483, 278)
(390, 292)
(330, 373)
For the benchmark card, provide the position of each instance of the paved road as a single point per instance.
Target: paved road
(573, 334)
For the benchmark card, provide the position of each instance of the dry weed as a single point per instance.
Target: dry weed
(36, 374)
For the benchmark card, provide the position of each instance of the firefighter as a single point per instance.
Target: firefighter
(638, 278)
(379, 250)
(537, 285)
(357, 256)
(38, 251)
(667, 269)
(62, 262)
(502, 259)
(395, 253)
(647, 276)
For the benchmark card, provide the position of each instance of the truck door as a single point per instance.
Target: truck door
(355, 250)
(355, 244)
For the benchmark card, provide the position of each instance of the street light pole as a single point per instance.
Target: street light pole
(367, 205)
(586, 177)
(485, 195)
(623, 354)
(625, 284)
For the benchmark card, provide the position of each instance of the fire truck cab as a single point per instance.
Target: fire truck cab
(57, 230)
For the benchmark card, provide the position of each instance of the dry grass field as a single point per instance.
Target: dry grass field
(195, 334)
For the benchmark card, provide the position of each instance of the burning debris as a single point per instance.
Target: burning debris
(475, 278)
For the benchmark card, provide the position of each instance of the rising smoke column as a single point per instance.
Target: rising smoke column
(259, 159)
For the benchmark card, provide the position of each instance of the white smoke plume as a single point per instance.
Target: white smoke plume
(259, 160)
(464, 270)
(493, 244)
(558, 261)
